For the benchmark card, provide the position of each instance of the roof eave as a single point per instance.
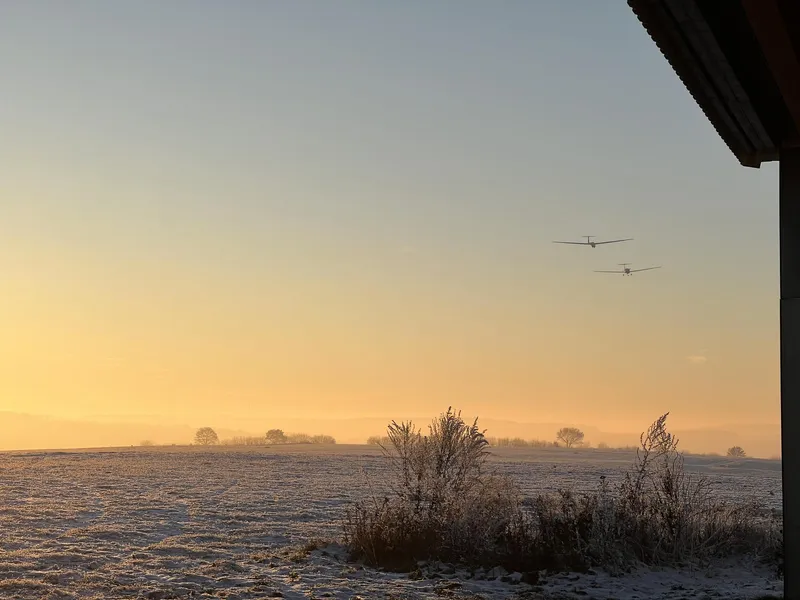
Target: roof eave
(681, 34)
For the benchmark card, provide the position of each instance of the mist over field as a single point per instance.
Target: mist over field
(19, 431)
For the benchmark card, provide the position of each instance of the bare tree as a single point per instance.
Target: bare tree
(276, 436)
(736, 452)
(570, 436)
(206, 436)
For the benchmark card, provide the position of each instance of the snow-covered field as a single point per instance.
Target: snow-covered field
(184, 522)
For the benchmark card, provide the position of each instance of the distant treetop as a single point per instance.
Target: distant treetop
(206, 436)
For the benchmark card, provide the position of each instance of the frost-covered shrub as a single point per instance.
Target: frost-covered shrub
(659, 514)
(670, 515)
(444, 504)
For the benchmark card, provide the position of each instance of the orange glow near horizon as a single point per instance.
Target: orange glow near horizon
(187, 238)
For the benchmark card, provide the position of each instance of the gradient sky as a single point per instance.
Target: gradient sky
(346, 208)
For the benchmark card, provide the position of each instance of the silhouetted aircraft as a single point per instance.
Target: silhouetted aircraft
(626, 269)
(589, 241)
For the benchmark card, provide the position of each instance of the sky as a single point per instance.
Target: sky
(218, 210)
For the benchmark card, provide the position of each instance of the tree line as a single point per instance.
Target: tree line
(206, 436)
(566, 437)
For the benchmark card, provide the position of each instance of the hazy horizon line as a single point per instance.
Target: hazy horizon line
(388, 419)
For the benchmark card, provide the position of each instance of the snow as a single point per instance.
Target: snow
(187, 522)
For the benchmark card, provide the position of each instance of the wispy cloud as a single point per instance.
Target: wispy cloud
(697, 359)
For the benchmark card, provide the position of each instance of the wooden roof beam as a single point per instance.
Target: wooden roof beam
(768, 26)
